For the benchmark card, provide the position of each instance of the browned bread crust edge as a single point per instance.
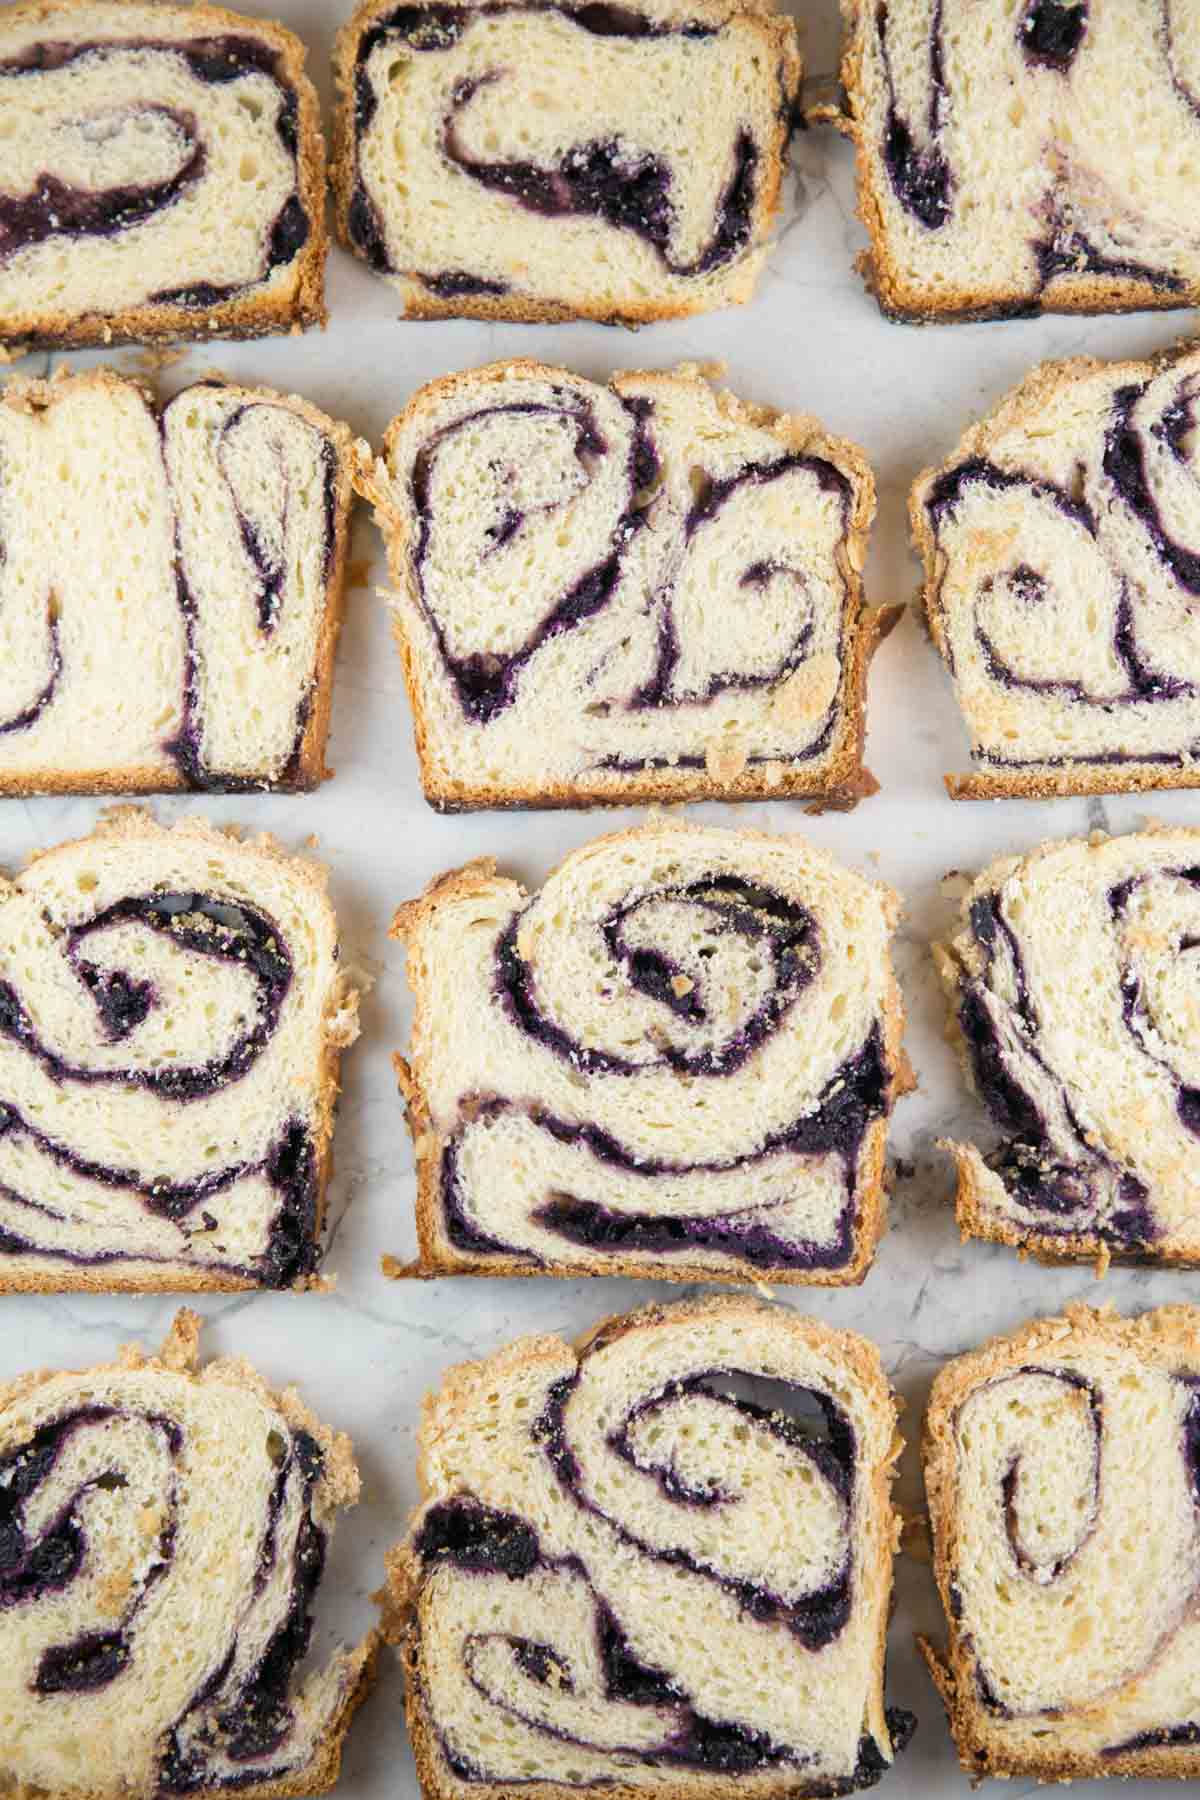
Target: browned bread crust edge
(980, 1744)
(299, 305)
(435, 1257)
(845, 781)
(779, 37)
(311, 769)
(399, 1600)
(135, 822)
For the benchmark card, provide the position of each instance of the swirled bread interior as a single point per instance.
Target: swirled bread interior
(1063, 1477)
(1023, 156)
(676, 1059)
(1073, 987)
(161, 174)
(170, 586)
(1062, 564)
(641, 591)
(163, 1533)
(171, 1016)
(659, 1562)
(527, 160)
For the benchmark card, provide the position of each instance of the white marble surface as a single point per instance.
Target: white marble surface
(363, 1356)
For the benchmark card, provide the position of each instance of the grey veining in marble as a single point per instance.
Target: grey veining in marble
(363, 1356)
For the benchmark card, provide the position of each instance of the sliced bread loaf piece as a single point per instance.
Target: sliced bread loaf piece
(1025, 156)
(163, 175)
(1062, 1473)
(658, 1562)
(538, 159)
(171, 585)
(164, 1531)
(172, 1015)
(1061, 543)
(1074, 989)
(676, 1060)
(647, 591)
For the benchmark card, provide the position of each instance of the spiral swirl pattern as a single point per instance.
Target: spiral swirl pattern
(641, 590)
(1062, 552)
(162, 1538)
(1075, 987)
(203, 558)
(598, 1582)
(553, 161)
(1001, 175)
(162, 174)
(170, 1017)
(1072, 1626)
(677, 1058)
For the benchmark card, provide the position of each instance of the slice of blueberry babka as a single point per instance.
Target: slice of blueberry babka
(645, 591)
(1074, 988)
(1062, 1466)
(162, 176)
(172, 1014)
(163, 1532)
(676, 1060)
(545, 159)
(171, 586)
(657, 1563)
(1061, 543)
(1025, 156)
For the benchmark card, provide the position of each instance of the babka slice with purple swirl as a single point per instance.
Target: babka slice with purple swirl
(1061, 543)
(1074, 988)
(676, 1060)
(645, 591)
(162, 175)
(172, 1015)
(171, 586)
(1062, 1467)
(163, 1533)
(1025, 156)
(657, 1563)
(617, 160)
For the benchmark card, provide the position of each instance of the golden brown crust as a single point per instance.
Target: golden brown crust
(779, 37)
(1161, 1336)
(910, 304)
(25, 393)
(399, 1600)
(435, 1257)
(135, 823)
(1015, 410)
(300, 304)
(179, 1354)
(845, 780)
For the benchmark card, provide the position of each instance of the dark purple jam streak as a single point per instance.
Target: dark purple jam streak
(54, 209)
(598, 177)
(33, 1567)
(254, 1722)
(921, 179)
(1050, 32)
(1062, 1193)
(32, 713)
(1025, 1562)
(486, 683)
(187, 747)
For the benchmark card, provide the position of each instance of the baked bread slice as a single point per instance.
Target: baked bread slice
(163, 175)
(627, 1573)
(1017, 159)
(172, 1014)
(163, 1531)
(1060, 1465)
(171, 586)
(646, 591)
(1073, 992)
(676, 1061)
(1061, 543)
(537, 159)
